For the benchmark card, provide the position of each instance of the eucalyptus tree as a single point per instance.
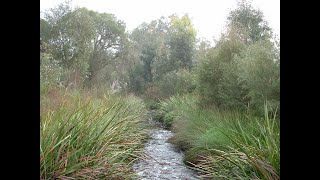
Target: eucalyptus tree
(182, 41)
(150, 39)
(84, 42)
(165, 45)
(107, 43)
(259, 69)
(70, 39)
(248, 24)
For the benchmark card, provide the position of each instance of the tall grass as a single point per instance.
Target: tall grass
(224, 144)
(254, 153)
(167, 109)
(87, 138)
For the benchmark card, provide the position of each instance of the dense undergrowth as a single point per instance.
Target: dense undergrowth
(222, 143)
(86, 136)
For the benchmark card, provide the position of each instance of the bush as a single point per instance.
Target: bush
(231, 94)
(260, 71)
(208, 78)
(217, 76)
(234, 77)
(50, 73)
(176, 82)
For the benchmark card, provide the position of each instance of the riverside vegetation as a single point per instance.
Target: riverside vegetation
(83, 136)
(98, 82)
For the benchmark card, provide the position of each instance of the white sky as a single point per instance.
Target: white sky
(208, 16)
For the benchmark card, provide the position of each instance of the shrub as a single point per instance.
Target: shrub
(176, 82)
(50, 73)
(260, 71)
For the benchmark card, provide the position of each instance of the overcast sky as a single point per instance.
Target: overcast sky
(208, 16)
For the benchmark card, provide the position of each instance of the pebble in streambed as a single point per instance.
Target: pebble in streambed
(163, 160)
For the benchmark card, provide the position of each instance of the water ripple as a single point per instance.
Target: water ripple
(163, 160)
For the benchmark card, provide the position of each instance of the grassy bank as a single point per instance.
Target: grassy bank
(223, 144)
(86, 136)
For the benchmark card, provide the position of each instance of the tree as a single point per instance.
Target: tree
(70, 40)
(209, 76)
(223, 75)
(108, 43)
(84, 42)
(217, 74)
(44, 30)
(248, 24)
(201, 49)
(182, 40)
(260, 70)
(165, 46)
(151, 40)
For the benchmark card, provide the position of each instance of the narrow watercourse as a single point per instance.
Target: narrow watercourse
(162, 159)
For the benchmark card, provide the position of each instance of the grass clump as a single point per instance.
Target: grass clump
(224, 144)
(83, 137)
(167, 109)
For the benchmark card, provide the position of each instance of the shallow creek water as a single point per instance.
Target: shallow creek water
(163, 160)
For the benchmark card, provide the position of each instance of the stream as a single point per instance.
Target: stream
(163, 160)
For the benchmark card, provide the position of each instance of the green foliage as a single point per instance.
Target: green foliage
(248, 24)
(136, 80)
(44, 30)
(208, 76)
(223, 77)
(151, 104)
(70, 38)
(165, 47)
(50, 72)
(237, 76)
(255, 153)
(224, 144)
(83, 41)
(150, 40)
(260, 71)
(231, 93)
(168, 108)
(177, 82)
(108, 44)
(182, 40)
(97, 138)
(198, 91)
(217, 75)
(201, 50)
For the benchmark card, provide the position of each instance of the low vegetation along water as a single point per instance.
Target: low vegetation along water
(163, 160)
